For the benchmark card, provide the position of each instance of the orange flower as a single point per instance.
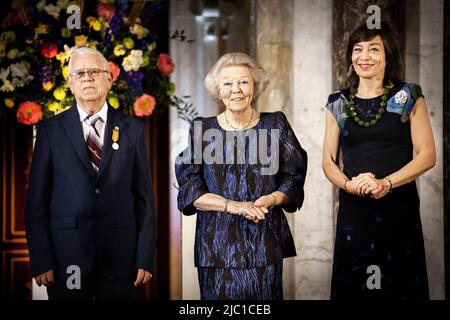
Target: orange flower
(29, 112)
(49, 49)
(144, 105)
(165, 64)
(114, 69)
(47, 86)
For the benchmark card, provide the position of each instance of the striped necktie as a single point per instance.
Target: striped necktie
(93, 141)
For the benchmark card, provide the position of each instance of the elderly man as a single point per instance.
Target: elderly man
(90, 217)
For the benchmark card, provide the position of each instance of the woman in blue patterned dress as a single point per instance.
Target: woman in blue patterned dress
(378, 122)
(241, 169)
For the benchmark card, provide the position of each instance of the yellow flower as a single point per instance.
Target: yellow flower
(145, 61)
(97, 26)
(91, 20)
(171, 89)
(65, 72)
(59, 94)
(12, 54)
(114, 102)
(128, 43)
(151, 46)
(119, 50)
(93, 44)
(9, 102)
(8, 36)
(139, 31)
(54, 106)
(64, 56)
(41, 29)
(66, 33)
(7, 86)
(47, 86)
(81, 40)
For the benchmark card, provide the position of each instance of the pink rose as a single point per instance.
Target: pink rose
(106, 10)
(144, 105)
(29, 112)
(165, 64)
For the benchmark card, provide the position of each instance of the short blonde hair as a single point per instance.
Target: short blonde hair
(258, 74)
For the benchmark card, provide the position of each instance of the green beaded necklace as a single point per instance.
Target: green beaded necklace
(381, 110)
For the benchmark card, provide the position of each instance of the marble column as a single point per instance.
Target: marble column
(424, 65)
(430, 185)
(293, 44)
(274, 50)
(312, 66)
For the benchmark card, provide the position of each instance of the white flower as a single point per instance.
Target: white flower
(40, 5)
(401, 97)
(4, 73)
(52, 10)
(132, 61)
(20, 73)
(62, 4)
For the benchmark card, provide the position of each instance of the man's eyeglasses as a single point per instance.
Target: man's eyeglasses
(92, 73)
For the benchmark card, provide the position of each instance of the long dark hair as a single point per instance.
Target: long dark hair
(394, 62)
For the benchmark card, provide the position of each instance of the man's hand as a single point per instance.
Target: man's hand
(143, 276)
(45, 278)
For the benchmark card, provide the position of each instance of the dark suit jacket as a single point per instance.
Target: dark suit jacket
(75, 216)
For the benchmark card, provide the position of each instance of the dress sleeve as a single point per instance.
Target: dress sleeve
(293, 162)
(416, 91)
(404, 100)
(334, 104)
(190, 174)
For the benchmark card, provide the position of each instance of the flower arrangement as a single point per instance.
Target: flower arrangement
(36, 44)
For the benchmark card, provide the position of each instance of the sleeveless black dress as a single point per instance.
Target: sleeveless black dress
(379, 249)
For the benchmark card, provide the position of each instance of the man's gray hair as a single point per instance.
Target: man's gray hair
(87, 50)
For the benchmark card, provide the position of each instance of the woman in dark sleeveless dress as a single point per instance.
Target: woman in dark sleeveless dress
(377, 123)
(241, 169)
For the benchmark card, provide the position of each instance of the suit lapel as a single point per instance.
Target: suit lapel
(74, 130)
(113, 120)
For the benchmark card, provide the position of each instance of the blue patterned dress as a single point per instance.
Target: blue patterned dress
(236, 258)
(382, 236)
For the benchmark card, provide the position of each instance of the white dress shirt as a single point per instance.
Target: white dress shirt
(100, 125)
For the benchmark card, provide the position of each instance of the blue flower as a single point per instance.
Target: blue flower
(45, 74)
(116, 24)
(134, 80)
